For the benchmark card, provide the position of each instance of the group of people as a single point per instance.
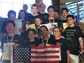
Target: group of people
(69, 39)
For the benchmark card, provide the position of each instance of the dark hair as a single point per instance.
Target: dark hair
(25, 4)
(38, 17)
(64, 9)
(27, 32)
(34, 5)
(19, 14)
(11, 11)
(57, 11)
(58, 28)
(42, 4)
(44, 26)
(10, 21)
(70, 16)
(50, 7)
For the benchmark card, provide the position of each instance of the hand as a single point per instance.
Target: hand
(21, 30)
(16, 44)
(82, 51)
(3, 51)
(58, 44)
(62, 36)
(67, 61)
(41, 45)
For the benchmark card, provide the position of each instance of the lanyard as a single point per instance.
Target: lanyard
(11, 38)
(51, 22)
(46, 41)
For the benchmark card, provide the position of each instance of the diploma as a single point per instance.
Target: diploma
(7, 52)
(65, 25)
(32, 26)
(18, 25)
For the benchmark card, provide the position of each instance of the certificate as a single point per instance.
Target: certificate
(65, 25)
(32, 26)
(7, 52)
(18, 25)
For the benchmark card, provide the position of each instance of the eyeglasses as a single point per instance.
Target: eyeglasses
(56, 31)
(43, 30)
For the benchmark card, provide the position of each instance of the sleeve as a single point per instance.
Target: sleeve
(79, 32)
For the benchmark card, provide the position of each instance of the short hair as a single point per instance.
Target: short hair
(38, 17)
(50, 7)
(42, 4)
(58, 28)
(11, 11)
(44, 26)
(57, 11)
(10, 21)
(34, 6)
(27, 32)
(19, 14)
(70, 16)
(25, 4)
(64, 9)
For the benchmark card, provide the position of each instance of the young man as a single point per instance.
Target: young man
(35, 13)
(38, 22)
(57, 15)
(52, 19)
(44, 15)
(11, 16)
(73, 35)
(10, 37)
(27, 15)
(64, 13)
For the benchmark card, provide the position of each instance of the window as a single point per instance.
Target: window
(76, 8)
(47, 3)
(16, 5)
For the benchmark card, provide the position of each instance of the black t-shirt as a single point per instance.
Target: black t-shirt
(44, 17)
(34, 43)
(17, 39)
(61, 22)
(64, 48)
(72, 35)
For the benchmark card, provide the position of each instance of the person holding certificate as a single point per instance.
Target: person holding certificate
(9, 40)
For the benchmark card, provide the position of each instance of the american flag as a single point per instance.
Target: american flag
(35, 54)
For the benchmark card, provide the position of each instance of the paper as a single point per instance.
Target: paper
(18, 25)
(53, 25)
(7, 52)
(47, 25)
(65, 25)
(32, 26)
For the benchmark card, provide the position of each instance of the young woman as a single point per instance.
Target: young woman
(63, 44)
(32, 40)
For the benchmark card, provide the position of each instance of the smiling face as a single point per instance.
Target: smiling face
(10, 27)
(56, 32)
(12, 16)
(22, 14)
(31, 35)
(51, 12)
(64, 13)
(43, 31)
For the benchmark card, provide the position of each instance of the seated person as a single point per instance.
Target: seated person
(31, 39)
(11, 37)
(65, 54)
